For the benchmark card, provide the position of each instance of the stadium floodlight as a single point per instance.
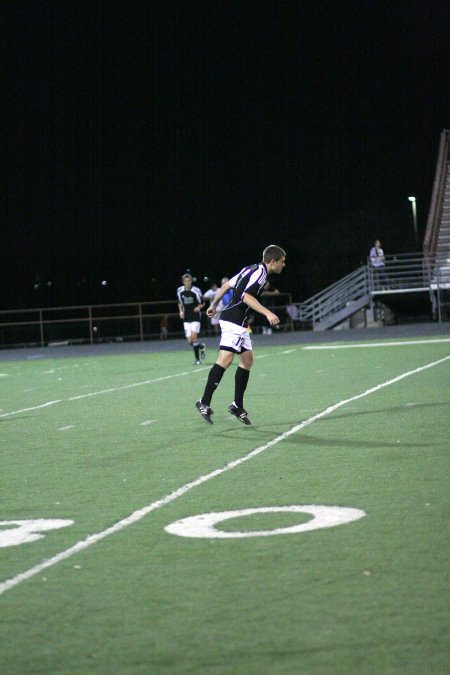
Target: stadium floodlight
(414, 213)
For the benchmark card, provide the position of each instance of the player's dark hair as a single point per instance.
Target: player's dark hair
(273, 252)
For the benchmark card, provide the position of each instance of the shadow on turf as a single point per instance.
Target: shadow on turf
(304, 439)
(332, 417)
(396, 409)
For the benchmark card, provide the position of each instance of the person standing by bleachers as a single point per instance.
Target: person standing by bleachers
(377, 261)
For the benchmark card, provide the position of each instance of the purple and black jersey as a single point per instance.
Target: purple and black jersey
(252, 280)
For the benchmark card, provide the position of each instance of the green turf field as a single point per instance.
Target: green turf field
(113, 445)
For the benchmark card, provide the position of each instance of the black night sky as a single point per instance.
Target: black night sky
(143, 138)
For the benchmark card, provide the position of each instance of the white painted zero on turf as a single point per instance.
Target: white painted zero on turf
(203, 526)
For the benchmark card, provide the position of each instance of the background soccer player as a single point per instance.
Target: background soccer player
(189, 305)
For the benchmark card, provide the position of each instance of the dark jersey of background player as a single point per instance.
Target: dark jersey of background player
(251, 279)
(190, 299)
(190, 302)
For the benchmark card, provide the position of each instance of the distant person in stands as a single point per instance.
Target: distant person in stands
(164, 328)
(293, 313)
(190, 305)
(377, 261)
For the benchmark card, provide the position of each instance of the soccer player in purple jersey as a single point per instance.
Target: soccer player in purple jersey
(247, 285)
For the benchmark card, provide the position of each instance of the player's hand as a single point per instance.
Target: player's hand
(272, 319)
(211, 311)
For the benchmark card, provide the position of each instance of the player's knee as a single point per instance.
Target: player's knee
(225, 358)
(247, 359)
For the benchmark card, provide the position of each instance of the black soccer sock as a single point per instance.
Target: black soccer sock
(214, 377)
(196, 348)
(240, 385)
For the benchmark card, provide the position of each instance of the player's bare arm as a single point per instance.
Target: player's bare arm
(219, 295)
(258, 307)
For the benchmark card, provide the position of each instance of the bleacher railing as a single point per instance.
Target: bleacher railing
(402, 273)
(407, 273)
(334, 298)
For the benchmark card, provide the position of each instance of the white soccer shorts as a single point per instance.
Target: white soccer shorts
(191, 327)
(234, 338)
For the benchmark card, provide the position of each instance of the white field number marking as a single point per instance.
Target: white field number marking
(24, 531)
(203, 525)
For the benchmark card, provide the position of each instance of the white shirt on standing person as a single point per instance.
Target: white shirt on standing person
(377, 255)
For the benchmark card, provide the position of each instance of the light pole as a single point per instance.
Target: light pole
(414, 213)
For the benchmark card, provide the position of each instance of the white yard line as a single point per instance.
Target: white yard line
(103, 391)
(378, 344)
(140, 513)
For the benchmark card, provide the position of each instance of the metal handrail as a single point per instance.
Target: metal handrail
(402, 273)
(334, 297)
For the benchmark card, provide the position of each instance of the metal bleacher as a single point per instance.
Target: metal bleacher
(428, 271)
(436, 243)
